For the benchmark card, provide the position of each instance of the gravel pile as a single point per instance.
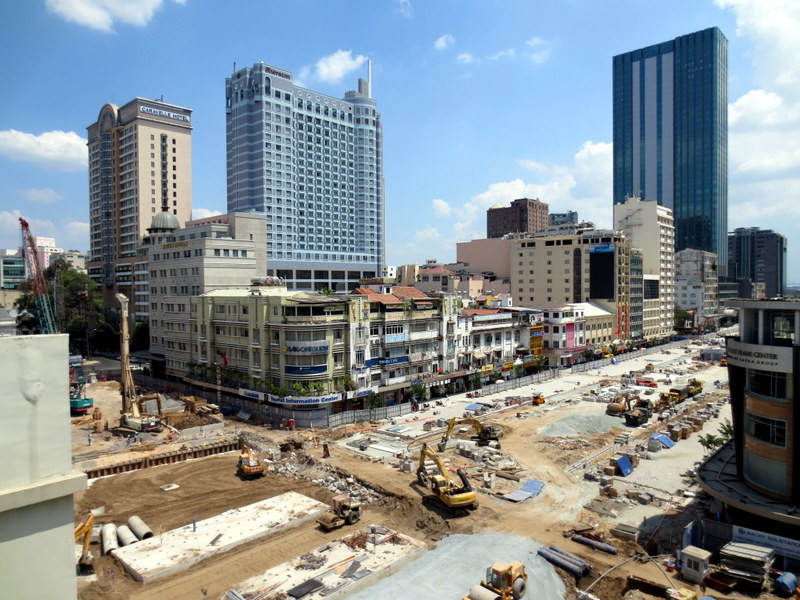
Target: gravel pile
(575, 425)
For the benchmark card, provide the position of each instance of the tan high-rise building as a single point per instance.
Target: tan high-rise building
(140, 163)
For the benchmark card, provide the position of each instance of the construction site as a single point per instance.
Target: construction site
(558, 492)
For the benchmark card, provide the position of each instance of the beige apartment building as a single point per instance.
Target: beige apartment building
(140, 164)
(650, 228)
(215, 253)
(558, 270)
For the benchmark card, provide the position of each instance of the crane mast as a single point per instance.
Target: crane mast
(129, 406)
(47, 321)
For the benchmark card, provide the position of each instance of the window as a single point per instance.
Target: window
(767, 383)
(770, 431)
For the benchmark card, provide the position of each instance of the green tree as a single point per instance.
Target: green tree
(419, 391)
(684, 320)
(326, 291)
(726, 430)
(77, 303)
(710, 442)
(372, 401)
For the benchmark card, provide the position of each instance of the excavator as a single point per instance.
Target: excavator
(249, 467)
(622, 403)
(454, 497)
(504, 581)
(483, 433)
(83, 533)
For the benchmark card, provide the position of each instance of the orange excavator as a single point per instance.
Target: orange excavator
(83, 533)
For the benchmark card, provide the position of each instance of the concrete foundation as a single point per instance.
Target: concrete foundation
(179, 549)
(337, 569)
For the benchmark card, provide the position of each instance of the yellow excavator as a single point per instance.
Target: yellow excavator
(83, 533)
(455, 497)
(483, 433)
(504, 581)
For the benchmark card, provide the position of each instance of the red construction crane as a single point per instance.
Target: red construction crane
(47, 321)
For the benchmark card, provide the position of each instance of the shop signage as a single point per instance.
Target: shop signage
(313, 370)
(252, 394)
(783, 546)
(304, 400)
(307, 348)
(767, 358)
(382, 362)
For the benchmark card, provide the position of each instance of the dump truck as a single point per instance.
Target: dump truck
(344, 511)
(723, 362)
(504, 581)
(637, 416)
(456, 497)
(537, 398)
(695, 387)
(248, 466)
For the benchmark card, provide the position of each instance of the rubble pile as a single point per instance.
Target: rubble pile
(301, 466)
(310, 561)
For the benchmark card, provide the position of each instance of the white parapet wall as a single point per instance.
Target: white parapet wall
(181, 548)
(339, 568)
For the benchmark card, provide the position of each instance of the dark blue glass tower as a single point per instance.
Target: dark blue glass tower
(671, 134)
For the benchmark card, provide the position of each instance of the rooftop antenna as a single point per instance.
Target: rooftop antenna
(234, 66)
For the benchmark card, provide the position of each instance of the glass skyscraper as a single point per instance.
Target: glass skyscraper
(314, 165)
(671, 134)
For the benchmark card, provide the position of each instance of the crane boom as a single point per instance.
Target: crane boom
(129, 404)
(47, 321)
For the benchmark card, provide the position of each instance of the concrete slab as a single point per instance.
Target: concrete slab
(338, 568)
(178, 549)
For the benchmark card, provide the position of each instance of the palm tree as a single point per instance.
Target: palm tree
(726, 430)
(710, 442)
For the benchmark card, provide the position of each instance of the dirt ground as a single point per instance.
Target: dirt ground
(209, 486)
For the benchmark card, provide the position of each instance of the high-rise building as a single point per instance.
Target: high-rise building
(649, 227)
(697, 284)
(759, 255)
(140, 163)
(525, 215)
(313, 164)
(671, 134)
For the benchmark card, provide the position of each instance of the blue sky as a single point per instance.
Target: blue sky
(482, 101)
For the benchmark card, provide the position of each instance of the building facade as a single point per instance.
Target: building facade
(759, 255)
(593, 266)
(671, 134)
(649, 228)
(219, 252)
(140, 163)
(525, 215)
(12, 270)
(765, 389)
(313, 164)
(697, 284)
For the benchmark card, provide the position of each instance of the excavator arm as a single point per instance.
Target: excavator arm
(83, 532)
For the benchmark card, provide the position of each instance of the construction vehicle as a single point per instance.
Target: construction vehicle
(637, 416)
(695, 387)
(649, 367)
(680, 393)
(504, 581)
(621, 403)
(452, 496)
(248, 466)
(537, 398)
(344, 511)
(34, 264)
(723, 362)
(83, 533)
(484, 433)
(79, 404)
(131, 421)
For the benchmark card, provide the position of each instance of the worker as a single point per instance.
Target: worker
(89, 438)
(326, 453)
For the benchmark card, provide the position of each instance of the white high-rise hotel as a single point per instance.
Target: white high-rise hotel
(314, 165)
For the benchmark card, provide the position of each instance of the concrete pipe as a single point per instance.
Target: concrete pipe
(138, 527)
(108, 533)
(125, 536)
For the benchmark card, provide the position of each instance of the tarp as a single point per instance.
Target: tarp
(664, 439)
(530, 489)
(475, 406)
(624, 464)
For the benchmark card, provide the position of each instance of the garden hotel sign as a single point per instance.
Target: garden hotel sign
(163, 113)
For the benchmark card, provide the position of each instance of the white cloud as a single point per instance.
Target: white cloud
(466, 58)
(441, 208)
(204, 213)
(427, 234)
(541, 50)
(332, 68)
(509, 53)
(405, 8)
(759, 108)
(70, 235)
(103, 14)
(52, 150)
(444, 41)
(40, 195)
(531, 165)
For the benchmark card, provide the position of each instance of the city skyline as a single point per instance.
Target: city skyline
(475, 103)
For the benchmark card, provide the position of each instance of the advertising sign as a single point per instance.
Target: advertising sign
(783, 546)
(765, 358)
